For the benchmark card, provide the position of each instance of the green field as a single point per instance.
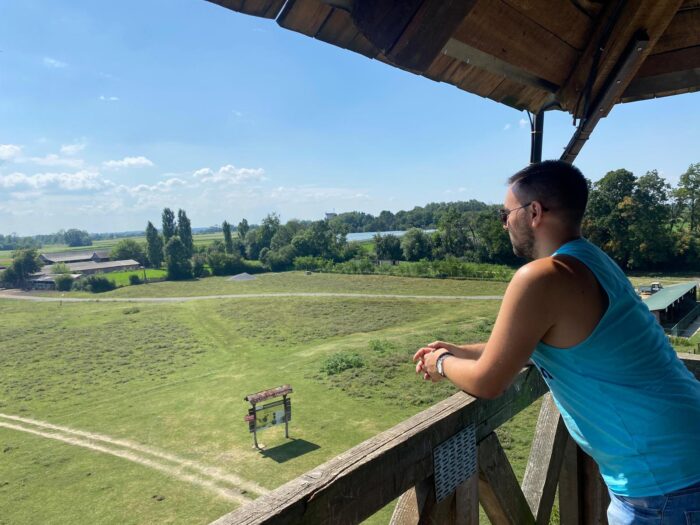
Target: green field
(172, 377)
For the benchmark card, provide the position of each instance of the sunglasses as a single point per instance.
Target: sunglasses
(503, 213)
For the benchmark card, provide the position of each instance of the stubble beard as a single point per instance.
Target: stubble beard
(525, 246)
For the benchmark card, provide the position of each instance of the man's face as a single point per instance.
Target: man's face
(519, 228)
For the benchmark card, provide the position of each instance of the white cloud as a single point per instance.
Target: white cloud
(506, 127)
(127, 162)
(72, 149)
(522, 123)
(53, 160)
(81, 180)
(52, 62)
(9, 151)
(109, 99)
(229, 174)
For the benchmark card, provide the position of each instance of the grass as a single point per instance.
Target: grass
(173, 376)
(299, 282)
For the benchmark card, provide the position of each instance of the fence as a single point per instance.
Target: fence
(400, 462)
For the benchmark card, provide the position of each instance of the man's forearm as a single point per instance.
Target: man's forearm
(472, 351)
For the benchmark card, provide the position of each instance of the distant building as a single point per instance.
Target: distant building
(75, 257)
(330, 215)
(90, 267)
(670, 304)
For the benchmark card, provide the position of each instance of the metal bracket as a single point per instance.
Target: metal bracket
(454, 462)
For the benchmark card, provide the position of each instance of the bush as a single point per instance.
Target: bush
(134, 279)
(225, 264)
(198, 269)
(98, 284)
(64, 282)
(342, 361)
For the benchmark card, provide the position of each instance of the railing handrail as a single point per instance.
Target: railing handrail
(357, 483)
(685, 321)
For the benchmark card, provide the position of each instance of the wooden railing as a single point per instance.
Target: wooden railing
(398, 463)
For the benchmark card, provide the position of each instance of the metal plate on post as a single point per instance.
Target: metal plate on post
(454, 462)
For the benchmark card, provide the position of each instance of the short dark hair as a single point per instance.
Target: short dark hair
(557, 185)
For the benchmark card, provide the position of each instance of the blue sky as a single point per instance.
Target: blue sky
(110, 111)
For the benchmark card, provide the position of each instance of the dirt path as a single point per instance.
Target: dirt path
(24, 296)
(226, 485)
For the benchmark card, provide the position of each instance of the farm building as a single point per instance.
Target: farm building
(90, 267)
(674, 305)
(74, 257)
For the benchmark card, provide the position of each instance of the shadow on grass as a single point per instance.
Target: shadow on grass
(289, 450)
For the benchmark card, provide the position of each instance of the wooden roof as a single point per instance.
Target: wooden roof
(580, 56)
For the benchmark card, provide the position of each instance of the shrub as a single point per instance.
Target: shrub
(198, 269)
(98, 284)
(64, 282)
(342, 361)
(134, 279)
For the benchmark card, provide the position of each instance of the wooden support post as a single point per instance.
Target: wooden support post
(569, 513)
(467, 502)
(546, 457)
(583, 495)
(499, 491)
(411, 503)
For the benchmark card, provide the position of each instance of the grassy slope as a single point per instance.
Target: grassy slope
(299, 282)
(173, 376)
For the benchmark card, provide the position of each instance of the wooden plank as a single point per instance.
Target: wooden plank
(563, 19)
(261, 8)
(428, 31)
(594, 492)
(671, 62)
(499, 491)
(410, 505)
(467, 502)
(339, 29)
(474, 57)
(649, 15)
(544, 464)
(499, 30)
(304, 16)
(357, 483)
(383, 21)
(663, 85)
(682, 32)
(569, 490)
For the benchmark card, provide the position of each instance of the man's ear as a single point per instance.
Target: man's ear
(536, 209)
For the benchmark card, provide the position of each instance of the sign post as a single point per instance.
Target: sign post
(269, 414)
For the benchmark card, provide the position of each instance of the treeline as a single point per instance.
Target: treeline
(426, 217)
(644, 223)
(71, 237)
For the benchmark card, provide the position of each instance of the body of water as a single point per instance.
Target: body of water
(367, 236)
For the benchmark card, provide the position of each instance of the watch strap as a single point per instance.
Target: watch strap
(439, 363)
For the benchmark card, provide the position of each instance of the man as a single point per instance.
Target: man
(624, 395)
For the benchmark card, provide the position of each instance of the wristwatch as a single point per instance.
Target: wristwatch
(438, 363)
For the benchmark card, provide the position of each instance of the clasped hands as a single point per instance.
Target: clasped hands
(426, 357)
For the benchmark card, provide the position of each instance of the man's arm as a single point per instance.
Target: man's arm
(525, 316)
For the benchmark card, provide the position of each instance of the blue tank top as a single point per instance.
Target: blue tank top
(624, 395)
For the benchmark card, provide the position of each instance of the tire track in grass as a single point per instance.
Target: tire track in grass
(207, 476)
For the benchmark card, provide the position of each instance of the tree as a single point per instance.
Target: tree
(228, 240)
(242, 229)
(184, 229)
(154, 246)
(129, 249)
(688, 195)
(64, 282)
(60, 268)
(176, 260)
(75, 237)
(415, 245)
(24, 263)
(169, 228)
(388, 247)
(609, 213)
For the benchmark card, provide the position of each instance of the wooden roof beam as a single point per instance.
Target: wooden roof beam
(616, 84)
(625, 35)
